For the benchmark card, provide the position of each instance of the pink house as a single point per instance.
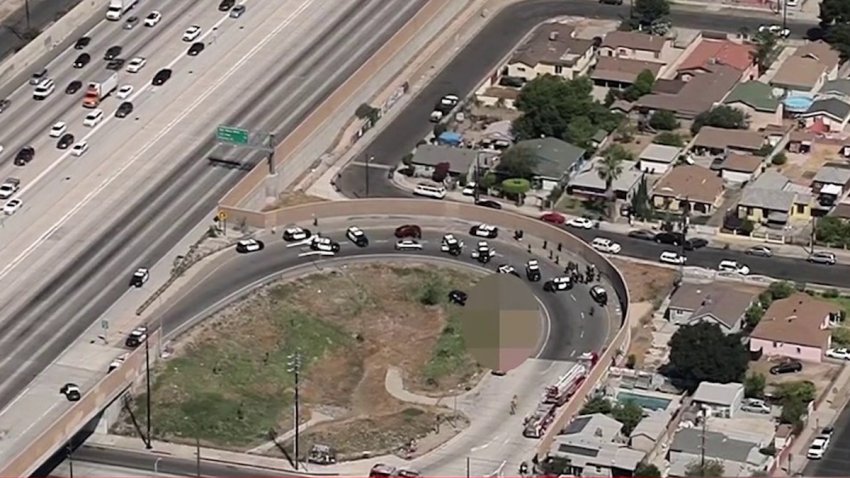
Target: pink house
(796, 327)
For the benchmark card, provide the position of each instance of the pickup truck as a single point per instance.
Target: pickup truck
(9, 187)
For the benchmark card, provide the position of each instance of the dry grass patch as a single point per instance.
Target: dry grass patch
(295, 198)
(646, 283)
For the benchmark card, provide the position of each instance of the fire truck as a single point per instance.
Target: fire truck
(566, 387)
(535, 425)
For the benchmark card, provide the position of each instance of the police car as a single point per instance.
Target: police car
(324, 244)
(599, 295)
(483, 252)
(117, 362)
(140, 277)
(137, 337)
(451, 245)
(408, 245)
(292, 234)
(357, 236)
(558, 283)
(71, 392)
(507, 269)
(532, 270)
(484, 230)
(249, 245)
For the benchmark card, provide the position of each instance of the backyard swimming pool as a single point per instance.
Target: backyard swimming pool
(647, 402)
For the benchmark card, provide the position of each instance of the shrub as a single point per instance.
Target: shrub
(664, 120)
(779, 159)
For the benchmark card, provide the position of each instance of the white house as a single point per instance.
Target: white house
(658, 158)
(719, 399)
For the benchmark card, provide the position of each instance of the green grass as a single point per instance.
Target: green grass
(450, 357)
(843, 302)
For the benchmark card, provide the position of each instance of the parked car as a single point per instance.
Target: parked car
(670, 257)
(839, 353)
(695, 243)
(553, 218)
(671, 238)
(642, 234)
(605, 245)
(733, 267)
(292, 234)
(249, 245)
(761, 251)
(488, 203)
(755, 405)
(599, 295)
(818, 448)
(788, 366)
(532, 270)
(580, 223)
(408, 230)
(822, 257)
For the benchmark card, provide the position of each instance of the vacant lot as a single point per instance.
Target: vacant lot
(230, 380)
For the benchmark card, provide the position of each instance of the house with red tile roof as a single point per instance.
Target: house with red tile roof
(712, 51)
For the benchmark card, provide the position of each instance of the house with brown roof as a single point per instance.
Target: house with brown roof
(635, 45)
(712, 140)
(701, 93)
(796, 327)
(710, 51)
(719, 303)
(741, 168)
(808, 68)
(552, 49)
(688, 184)
(620, 73)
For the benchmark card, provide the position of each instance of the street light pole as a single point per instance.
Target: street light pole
(295, 369)
(27, 11)
(198, 453)
(148, 444)
(369, 160)
(475, 191)
(70, 451)
(271, 155)
(784, 14)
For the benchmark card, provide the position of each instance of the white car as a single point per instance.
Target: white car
(136, 64)
(119, 361)
(670, 257)
(483, 252)
(93, 118)
(839, 353)
(357, 236)
(59, 128)
(408, 245)
(124, 92)
(776, 30)
(754, 405)
(80, 148)
(581, 223)
(733, 267)
(324, 244)
(12, 206)
(484, 230)
(507, 269)
(451, 244)
(602, 244)
(817, 448)
(140, 277)
(153, 18)
(293, 234)
(192, 33)
(249, 245)
(469, 189)
(44, 89)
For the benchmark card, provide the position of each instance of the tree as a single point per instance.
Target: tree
(565, 109)
(647, 470)
(839, 37)
(642, 86)
(765, 51)
(516, 188)
(669, 138)
(517, 162)
(834, 11)
(629, 414)
(780, 290)
(441, 172)
(841, 336)
(712, 468)
(754, 385)
(597, 405)
(720, 117)
(754, 315)
(649, 12)
(664, 120)
(703, 353)
(610, 169)
(793, 412)
(641, 201)
(779, 159)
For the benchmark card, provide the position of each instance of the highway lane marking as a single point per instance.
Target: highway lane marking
(582, 315)
(32, 247)
(573, 296)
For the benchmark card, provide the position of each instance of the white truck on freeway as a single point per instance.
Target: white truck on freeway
(100, 89)
(117, 8)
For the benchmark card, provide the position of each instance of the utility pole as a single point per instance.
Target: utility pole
(475, 192)
(198, 454)
(148, 443)
(295, 369)
(702, 445)
(784, 14)
(467, 467)
(369, 160)
(27, 11)
(271, 154)
(686, 222)
(70, 450)
(813, 235)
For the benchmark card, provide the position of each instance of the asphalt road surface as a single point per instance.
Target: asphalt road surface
(836, 460)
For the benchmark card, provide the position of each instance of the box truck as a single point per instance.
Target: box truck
(119, 7)
(100, 89)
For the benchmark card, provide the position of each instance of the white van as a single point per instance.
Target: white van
(93, 118)
(733, 267)
(44, 89)
(430, 190)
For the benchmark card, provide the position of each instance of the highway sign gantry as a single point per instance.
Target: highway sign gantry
(232, 135)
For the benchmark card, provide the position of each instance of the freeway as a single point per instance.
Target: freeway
(168, 200)
(571, 332)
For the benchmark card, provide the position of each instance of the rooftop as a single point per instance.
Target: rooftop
(460, 159)
(832, 175)
(724, 394)
(798, 319)
(840, 86)
(804, 68)
(718, 52)
(622, 70)
(634, 40)
(660, 153)
(722, 138)
(554, 157)
(716, 445)
(552, 44)
(588, 177)
(755, 94)
(596, 425)
(726, 303)
(833, 107)
(691, 182)
(697, 95)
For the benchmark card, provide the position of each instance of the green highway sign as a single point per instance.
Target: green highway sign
(229, 134)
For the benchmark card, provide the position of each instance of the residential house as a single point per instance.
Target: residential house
(839, 88)
(428, 156)
(587, 183)
(620, 73)
(658, 158)
(808, 68)
(756, 100)
(556, 161)
(691, 184)
(496, 96)
(741, 168)
(701, 93)
(650, 431)
(715, 141)
(830, 184)
(552, 49)
(593, 446)
(719, 399)
(716, 302)
(634, 45)
(795, 327)
(827, 114)
(739, 457)
(498, 135)
(773, 200)
(710, 51)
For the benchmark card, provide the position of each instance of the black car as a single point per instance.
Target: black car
(65, 141)
(695, 243)
(137, 337)
(161, 77)
(73, 87)
(226, 5)
(458, 297)
(82, 60)
(672, 238)
(789, 366)
(642, 234)
(196, 48)
(4, 104)
(24, 156)
(124, 109)
(81, 43)
(71, 392)
(489, 203)
(115, 64)
(112, 53)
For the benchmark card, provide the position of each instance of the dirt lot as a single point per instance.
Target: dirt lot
(229, 380)
(820, 374)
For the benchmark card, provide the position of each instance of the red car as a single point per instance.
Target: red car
(408, 230)
(553, 218)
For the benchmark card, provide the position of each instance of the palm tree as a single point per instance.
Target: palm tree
(610, 169)
(764, 53)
